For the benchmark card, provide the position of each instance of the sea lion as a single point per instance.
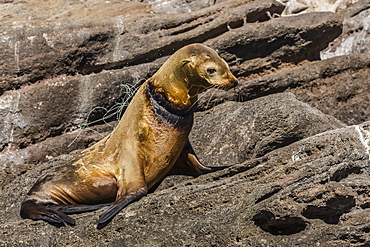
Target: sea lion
(150, 139)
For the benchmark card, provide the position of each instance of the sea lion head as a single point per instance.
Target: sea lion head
(205, 68)
(188, 70)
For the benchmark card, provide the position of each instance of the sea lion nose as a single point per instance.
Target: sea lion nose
(235, 83)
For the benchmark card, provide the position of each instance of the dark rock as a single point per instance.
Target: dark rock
(279, 225)
(341, 92)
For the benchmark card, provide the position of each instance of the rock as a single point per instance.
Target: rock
(61, 60)
(255, 48)
(71, 100)
(300, 176)
(68, 10)
(178, 6)
(35, 50)
(312, 191)
(307, 6)
(337, 86)
(34, 124)
(171, 32)
(233, 132)
(342, 90)
(355, 38)
(46, 150)
(331, 190)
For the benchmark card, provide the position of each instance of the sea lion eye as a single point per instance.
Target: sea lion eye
(211, 71)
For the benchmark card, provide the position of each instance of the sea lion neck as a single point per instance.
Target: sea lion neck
(175, 88)
(161, 99)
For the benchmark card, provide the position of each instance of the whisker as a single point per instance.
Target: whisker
(236, 97)
(204, 94)
(210, 98)
(240, 95)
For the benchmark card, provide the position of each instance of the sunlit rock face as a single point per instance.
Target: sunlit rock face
(306, 6)
(356, 23)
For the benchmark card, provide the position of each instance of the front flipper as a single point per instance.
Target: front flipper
(119, 204)
(189, 164)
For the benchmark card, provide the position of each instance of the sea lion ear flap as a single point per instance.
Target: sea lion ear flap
(189, 61)
(185, 62)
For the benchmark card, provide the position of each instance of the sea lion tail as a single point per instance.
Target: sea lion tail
(34, 211)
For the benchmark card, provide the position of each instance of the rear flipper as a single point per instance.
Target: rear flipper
(78, 208)
(34, 211)
(188, 164)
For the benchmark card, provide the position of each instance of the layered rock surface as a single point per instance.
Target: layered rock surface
(296, 128)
